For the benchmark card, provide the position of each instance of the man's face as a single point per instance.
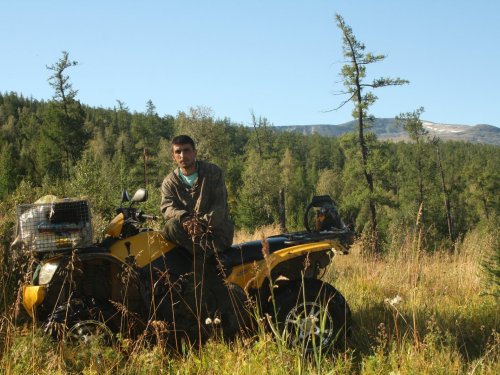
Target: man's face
(185, 156)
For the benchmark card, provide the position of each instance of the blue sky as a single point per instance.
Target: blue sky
(280, 59)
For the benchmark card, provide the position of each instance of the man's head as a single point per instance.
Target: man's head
(183, 140)
(184, 153)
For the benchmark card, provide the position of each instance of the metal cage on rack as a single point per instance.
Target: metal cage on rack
(60, 225)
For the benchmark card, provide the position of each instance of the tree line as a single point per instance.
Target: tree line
(97, 152)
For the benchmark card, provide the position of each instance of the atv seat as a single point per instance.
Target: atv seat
(253, 250)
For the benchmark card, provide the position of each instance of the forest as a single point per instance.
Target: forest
(69, 149)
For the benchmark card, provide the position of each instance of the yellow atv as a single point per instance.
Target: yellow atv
(136, 280)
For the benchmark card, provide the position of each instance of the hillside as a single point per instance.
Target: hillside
(387, 129)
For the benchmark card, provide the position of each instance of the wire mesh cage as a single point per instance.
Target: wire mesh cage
(61, 225)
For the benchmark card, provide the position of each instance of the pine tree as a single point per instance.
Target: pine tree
(412, 124)
(292, 183)
(354, 73)
(8, 169)
(63, 136)
(258, 199)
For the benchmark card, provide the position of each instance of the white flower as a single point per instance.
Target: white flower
(394, 301)
(216, 321)
(208, 321)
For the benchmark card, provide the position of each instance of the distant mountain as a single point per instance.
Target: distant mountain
(387, 129)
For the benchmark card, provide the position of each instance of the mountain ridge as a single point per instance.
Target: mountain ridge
(388, 129)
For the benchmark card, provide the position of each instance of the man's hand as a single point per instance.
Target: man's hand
(193, 226)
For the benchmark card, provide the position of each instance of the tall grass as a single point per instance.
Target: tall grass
(413, 311)
(422, 312)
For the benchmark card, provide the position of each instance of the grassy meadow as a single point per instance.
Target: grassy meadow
(414, 312)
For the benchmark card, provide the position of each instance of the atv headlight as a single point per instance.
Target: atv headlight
(47, 271)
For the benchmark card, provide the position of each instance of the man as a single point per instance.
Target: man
(194, 202)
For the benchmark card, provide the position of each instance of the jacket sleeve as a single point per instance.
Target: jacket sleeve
(218, 211)
(171, 206)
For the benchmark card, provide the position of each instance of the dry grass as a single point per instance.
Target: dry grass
(414, 312)
(258, 234)
(414, 304)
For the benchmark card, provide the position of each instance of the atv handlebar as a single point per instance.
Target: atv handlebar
(136, 215)
(141, 216)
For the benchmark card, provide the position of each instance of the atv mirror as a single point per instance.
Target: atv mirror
(141, 195)
(125, 196)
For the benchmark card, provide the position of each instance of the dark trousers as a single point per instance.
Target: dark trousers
(203, 246)
(208, 295)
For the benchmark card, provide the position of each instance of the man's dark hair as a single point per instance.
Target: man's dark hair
(183, 140)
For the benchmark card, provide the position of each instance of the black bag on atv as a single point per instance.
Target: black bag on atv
(322, 215)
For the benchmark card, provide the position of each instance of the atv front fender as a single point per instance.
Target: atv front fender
(33, 296)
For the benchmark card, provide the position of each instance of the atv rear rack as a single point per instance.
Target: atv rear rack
(345, 236)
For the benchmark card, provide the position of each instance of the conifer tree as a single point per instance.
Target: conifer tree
(292, 183)
(414, 127)
(354, 74)
(445, 190)
(8, 170)
(258, 199)
(63, 136)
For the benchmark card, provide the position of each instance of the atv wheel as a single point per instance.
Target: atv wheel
(312, 315)
(86, 344)
(79, 321)
(88, 332)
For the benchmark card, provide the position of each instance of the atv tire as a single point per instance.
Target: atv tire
(312, 315)
(78, 321)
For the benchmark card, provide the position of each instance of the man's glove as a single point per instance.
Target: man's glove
(193, 226)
